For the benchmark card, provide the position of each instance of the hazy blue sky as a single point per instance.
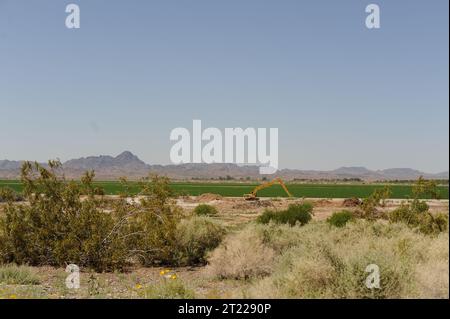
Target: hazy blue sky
(339, 93)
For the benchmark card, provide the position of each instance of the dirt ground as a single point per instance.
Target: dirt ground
(236, 210)
(233, 212)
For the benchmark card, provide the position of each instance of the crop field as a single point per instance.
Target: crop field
(239, 189)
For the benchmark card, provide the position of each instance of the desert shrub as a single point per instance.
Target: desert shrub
(432, 274)
(12, 274)
(205, 210)
(195, 237)
(58, 228)
(168, 289)
(370, 206)
(415, 214)
(150, 222)
(318, 261)
(241, 256)
(8, 194)
(296, 213)
(433, 223)
(267, 216)
(428, 188)
(340, 219)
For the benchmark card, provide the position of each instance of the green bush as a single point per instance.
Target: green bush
(416, 215)
(57, 228)
(205, 210)
(340, 219)
(296, 213)
(415, 212)
(370, 206)
(195, 237)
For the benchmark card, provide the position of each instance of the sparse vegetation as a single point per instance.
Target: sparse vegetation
(316, 261)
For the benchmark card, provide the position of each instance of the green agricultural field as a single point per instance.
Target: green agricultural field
(239, 189)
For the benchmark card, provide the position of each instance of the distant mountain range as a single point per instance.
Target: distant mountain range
(129, 165)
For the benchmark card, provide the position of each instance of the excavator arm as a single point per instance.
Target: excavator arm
(254, 193)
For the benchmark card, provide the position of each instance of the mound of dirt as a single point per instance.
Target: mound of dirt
(253, 204)
(352, 202)
(208, 197)
(324, 202)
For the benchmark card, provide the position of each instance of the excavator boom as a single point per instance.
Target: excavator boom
(253, 194)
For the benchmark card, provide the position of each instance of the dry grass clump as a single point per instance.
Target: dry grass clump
(168, 289)
(241, 256)
(318, 261)
(433, 273)
(11, 274)
(195, 237)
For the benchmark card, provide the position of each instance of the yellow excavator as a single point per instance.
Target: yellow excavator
(252, 195)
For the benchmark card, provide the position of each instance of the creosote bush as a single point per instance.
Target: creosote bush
(340, 219)
(370, 207)
(415, 212)
(296, 213)
(416, 215)
(57, 227)
(205, 210)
